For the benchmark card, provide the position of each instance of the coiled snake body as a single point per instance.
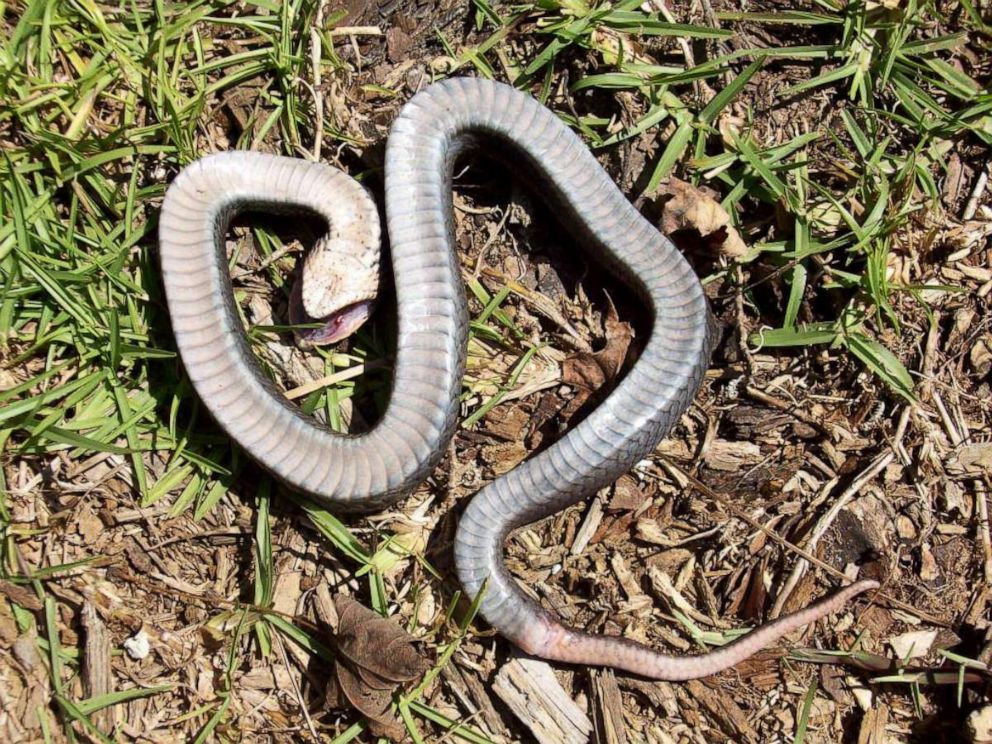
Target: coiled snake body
(371, 470)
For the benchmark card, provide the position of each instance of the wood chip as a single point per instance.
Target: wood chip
(532, 692)
(873, 725)
(731, 456)
(20, 595)
(914, 644)
(627, 495)
(589, 526)
(608, 710)
(975, 457)
(475, 698)
(727, 713)
(286, 593)
(96, 666)
(978, 726)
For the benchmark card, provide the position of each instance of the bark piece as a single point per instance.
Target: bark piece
(873, 725)
(474, 697)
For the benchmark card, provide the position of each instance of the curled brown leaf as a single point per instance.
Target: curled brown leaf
(688, 209)
(375, 658)
(588, 371)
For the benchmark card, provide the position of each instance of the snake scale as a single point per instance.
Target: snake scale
(371, 470)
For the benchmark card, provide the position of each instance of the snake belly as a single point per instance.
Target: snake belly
(371, 470)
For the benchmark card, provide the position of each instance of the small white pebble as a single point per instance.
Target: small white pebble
(556, 569)
(138, 645)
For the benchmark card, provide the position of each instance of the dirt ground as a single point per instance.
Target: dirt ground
(802, 446)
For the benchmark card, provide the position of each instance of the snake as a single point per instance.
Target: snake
(371, 470)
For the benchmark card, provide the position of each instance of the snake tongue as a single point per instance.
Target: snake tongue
(334, 327)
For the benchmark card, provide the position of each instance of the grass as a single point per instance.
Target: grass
(906, 107)
(100, 104)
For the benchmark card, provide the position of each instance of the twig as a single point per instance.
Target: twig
(700, 86)
(792, 548)
(930, 355)
(958, 437)
(318, 95)
(824, 524)
(208, 600)
(276, 255)
(296, 688)
(662, 584)
(926, 509)
(356, 31)
(981, 496)
(345, 374)
(714, 22)
(976, 193)
(791, 409)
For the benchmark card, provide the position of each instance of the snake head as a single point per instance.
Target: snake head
(337, 288)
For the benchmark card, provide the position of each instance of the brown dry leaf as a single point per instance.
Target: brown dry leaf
(372, 703)
(588, 371)
(375, 643)
(375, 657)
(687, 208)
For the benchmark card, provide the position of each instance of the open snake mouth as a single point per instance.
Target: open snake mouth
(334, 327)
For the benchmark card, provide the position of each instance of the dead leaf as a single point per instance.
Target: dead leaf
(372, 703)
(375, 658)
(689, 209)
(588, 371)
(376, 643)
